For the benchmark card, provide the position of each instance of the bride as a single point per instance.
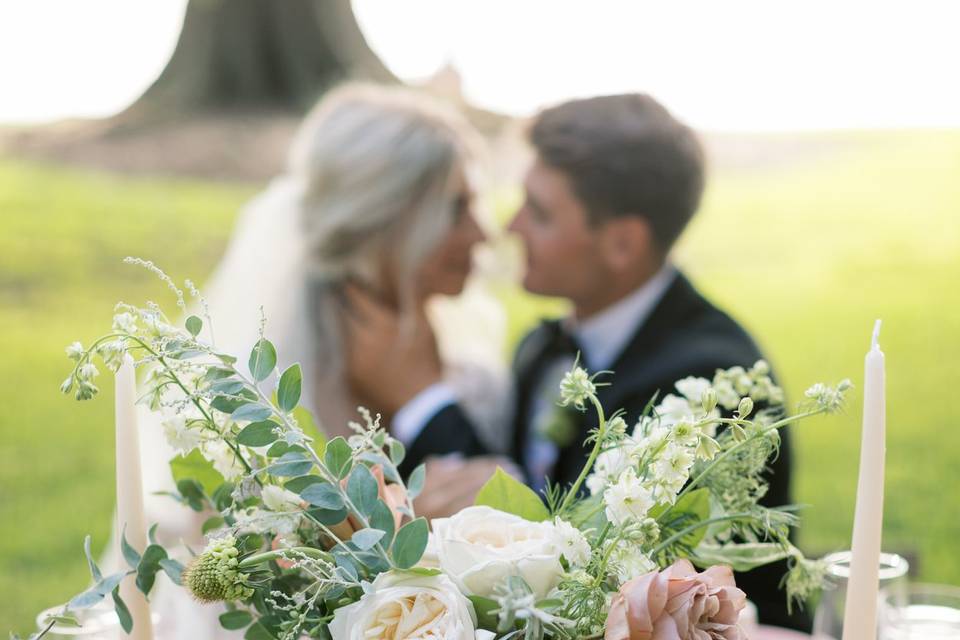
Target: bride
(378, 199)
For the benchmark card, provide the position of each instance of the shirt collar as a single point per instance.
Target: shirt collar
(603, 336)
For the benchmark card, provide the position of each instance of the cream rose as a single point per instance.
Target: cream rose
(398, 606)
(479, 547)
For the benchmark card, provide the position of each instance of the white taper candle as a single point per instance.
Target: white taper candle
(860, 612)
(130, 495)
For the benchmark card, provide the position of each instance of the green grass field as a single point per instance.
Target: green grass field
(806, 251)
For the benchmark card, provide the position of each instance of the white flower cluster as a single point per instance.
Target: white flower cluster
(651, 465)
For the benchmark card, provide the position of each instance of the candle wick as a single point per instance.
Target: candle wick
(875, 341)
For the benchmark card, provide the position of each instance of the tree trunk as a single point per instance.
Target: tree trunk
(260, 55)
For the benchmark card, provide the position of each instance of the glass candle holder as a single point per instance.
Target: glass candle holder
(828, 618)
(920, 612)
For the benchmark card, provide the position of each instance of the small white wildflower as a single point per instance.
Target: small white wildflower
(760, 368)
(685, 433)
(609, 465)
(223, 458)
(112, 353)
(628, 499)
(830, 399)
(674, 408)
(573, 546)
(628, 562)
(67, 385)
(654, 440)
(88, 371)
(707, 448)
(279, 499)
(617, 427)
(576, 388)
(745, 408)
(674, 464)
(125, 322)
(75, 351)
(727, 396)
(179, 435)
(692, 388)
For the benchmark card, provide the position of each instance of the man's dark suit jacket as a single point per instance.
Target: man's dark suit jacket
(685, 335)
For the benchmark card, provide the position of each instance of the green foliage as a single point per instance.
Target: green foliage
(258, 434)
(195, 467)
(263, 359)
(235, 620)
(504, 492)
(288, 391)
(338, 457)
(410, 543)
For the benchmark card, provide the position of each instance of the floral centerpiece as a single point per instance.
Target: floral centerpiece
(313, 538)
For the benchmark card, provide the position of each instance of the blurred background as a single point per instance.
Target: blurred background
(833, 131)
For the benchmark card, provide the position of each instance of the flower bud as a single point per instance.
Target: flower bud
(745, 408)
(214, 576)
(709, 400)
(67, 385)
(576, 387)
(88, 371)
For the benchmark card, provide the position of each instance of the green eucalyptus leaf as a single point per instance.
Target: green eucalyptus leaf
(298, 484)
(382, 518)
(123, 614)
(234, 620)
(149, 566)
(290, 464)
(288, 391)
(173, 569)
(131, 555)
(258, 631)
(415, 481)
(194, 325)
(506, 493)
(397, 452)
(251, 412)
(410, 543)
(323, 495)
(328, 516)
(227, 386)
(94, 569)
(338, 458)
(258, 434)
(366, 538)
(263, 360)
(362, 489)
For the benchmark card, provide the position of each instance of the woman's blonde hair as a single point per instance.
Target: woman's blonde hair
(375, 169)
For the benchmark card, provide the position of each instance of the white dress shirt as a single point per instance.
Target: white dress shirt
(601, 339)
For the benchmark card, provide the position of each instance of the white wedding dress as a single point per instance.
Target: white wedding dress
(264, 266)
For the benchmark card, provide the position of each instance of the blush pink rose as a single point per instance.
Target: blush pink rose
(678, 604)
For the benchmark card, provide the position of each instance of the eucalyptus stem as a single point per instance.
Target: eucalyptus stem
(277, 554)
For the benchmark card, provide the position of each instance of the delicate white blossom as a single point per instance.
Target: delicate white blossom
(576, 387)
(180, 436)
(573, 545)
(223, 458)
(628, 499)
(279, 499)
(125, 322)
(75, 351)
(693, 388)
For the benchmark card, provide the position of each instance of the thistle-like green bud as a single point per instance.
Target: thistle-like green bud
(213, 576)
(576, 388)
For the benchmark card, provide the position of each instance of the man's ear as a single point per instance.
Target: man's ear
(626, 241)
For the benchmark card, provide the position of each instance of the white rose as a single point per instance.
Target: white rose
(403, 605)
(479, 547)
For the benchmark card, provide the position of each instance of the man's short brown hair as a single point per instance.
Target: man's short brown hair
(625, 155)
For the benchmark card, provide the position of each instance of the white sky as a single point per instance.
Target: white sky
(730, 65)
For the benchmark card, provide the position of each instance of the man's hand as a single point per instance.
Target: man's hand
(453, 483)
(389, 359)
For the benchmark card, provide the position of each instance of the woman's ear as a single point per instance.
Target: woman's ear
(627, 243)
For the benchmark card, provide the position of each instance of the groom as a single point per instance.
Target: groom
(615, 181)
